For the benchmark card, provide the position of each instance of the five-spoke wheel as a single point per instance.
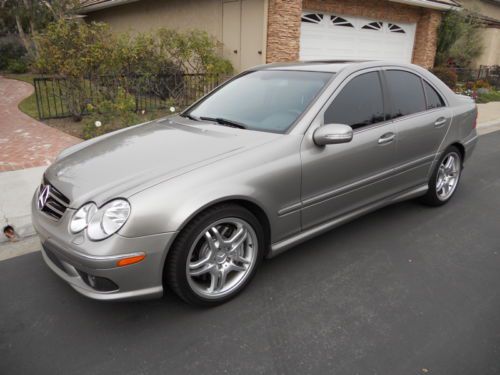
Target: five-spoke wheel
(221, 257)
(445, 177)
(215, 255)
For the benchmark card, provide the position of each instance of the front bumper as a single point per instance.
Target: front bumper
(90, 266)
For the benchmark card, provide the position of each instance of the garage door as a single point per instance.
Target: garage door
(330, 36)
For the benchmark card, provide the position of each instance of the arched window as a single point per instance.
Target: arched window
(373, 26)
(339, 21)
(393, 28)
(312, 17)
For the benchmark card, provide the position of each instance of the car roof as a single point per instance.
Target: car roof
(330, 66)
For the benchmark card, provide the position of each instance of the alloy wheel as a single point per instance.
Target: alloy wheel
(221, 257)
(447, 176)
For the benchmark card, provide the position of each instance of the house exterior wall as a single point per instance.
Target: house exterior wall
(486, 8)
(491, 48)
(147, 15)
(491, 35)
(283, 34)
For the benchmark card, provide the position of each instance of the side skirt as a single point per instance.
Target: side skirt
(279, 247)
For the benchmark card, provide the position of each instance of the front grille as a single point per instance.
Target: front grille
(52, 201)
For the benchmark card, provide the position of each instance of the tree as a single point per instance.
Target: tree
(459, 39)
(26, 18)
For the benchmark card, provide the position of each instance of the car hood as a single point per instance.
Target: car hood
(122, 163)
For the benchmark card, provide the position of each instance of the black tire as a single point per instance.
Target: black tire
(431, 198)
(175, 276)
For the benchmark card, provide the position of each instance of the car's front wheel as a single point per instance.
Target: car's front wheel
(215, 255)
(445, 177)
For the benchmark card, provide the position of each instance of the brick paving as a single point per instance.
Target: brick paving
(24, 141)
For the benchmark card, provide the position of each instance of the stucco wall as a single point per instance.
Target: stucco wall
(146, 15)
(485, 8)
(491, 48)
(490, 36)
(284, 24)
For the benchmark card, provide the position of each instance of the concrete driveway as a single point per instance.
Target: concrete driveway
(406, 290)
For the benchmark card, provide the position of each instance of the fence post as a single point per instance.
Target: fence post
(37, 97)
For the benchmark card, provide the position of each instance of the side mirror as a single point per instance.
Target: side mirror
(332, 133)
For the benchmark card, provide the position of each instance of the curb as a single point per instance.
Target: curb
(488, 127)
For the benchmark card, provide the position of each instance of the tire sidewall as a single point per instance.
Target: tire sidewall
(432, 196)
(188, 235)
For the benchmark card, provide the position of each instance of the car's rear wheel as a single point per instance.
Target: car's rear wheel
(445, 178)
(215, 255)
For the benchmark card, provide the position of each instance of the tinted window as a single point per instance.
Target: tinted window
(434, 100)
(359, 103)
(269, 100)
(407, 95)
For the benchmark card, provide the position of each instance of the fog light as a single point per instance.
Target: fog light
(130, 260)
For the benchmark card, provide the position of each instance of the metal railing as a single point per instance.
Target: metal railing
(59, 97)
(490, 74)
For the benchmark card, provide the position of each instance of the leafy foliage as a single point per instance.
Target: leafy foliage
(10, 50)
(26, 18)
(459, 39)
(74, 49)
(105, 115)
(447, 75)
(151, 62)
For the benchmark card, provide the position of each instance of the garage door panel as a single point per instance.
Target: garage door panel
(362, 39)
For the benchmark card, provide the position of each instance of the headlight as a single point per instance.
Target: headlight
(100, 222)
(82, 217)
(108, 219)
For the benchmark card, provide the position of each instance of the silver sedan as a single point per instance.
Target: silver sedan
(271, 158)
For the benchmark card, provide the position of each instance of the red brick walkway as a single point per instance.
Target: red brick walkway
(25, 142)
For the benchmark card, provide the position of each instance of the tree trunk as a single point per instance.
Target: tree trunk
(24, 39)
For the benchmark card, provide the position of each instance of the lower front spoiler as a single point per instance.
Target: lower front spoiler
(77, 283)
(136, 281)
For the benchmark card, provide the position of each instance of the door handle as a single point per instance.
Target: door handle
(386, 138)
(440, 122)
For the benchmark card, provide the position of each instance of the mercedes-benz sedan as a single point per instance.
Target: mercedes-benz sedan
(271, 158)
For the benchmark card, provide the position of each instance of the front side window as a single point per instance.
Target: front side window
(434, 100)
(406, 93)
(267, 100)
(360, 103)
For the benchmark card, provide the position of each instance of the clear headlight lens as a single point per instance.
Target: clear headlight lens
(82, 217)
(108, 219)
(100, 222)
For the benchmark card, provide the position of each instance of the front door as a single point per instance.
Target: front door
(342, 177)
(243, 32)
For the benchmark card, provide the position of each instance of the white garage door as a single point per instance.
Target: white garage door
(330, 36)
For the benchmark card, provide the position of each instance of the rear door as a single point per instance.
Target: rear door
(339, 178)
(421, 120)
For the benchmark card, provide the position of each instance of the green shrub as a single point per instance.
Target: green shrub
(110, 114)
(10, 51)
(17, 66)
(481, 84)
(459, 38)
(491, 96)
(447, 75)
(84, 53)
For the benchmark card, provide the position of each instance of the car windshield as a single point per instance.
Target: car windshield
(267, 100)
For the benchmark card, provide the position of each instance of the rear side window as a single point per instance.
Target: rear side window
(434, 100)
(360, 103)
(406, 93)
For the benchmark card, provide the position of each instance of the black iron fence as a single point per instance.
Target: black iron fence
(490, 74)
(58, 97)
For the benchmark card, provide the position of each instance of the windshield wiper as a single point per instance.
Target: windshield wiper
(223, 121)
(187, 115)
